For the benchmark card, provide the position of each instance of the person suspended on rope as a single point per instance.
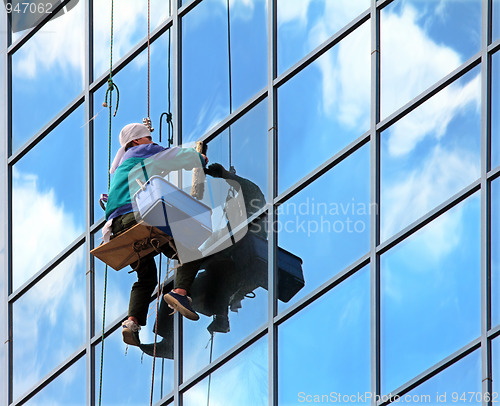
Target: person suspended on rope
(136, 148)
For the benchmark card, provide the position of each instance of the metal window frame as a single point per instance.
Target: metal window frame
(371, 137)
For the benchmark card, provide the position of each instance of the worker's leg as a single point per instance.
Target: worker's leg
(140, 295)
(185, 276)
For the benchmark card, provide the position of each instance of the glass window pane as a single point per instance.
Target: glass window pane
(47, 74)
(248, 49)
(327, 352)
(324, 108)
(305, 24)
(495, 110)
(236, 308)
(49, 322)
(127, 373)
(496, 19)
(421, 42)
(495, 252)
(243, 380)
(130, 26)
(495, 348)
(205, 65)
(431, 154)
(67, 389)
(48, 198)
(430, 294)
(132, 82)
(449, 386)
(327, 225)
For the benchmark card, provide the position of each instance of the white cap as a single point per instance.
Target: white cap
(130, 132)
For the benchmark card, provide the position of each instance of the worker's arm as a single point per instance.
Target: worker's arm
(175, 158)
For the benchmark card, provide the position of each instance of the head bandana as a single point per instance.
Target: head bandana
(130, 132)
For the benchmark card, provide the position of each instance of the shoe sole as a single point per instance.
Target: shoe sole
(172, 301)
(129, 338)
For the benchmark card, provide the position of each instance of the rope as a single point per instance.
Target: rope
(109, 91)
(149, 35)
(210, 376)
(156, 332)
(230, 76)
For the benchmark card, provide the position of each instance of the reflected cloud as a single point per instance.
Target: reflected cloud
(59, 44)
(442, 174)
(41, 225)
(42, 229)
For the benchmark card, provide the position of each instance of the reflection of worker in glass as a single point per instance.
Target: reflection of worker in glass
(136, 147)
(226, 276)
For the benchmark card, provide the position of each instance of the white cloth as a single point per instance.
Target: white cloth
(106, 231)
(130, 132)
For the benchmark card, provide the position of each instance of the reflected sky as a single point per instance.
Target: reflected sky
(243, 380)
(48, 198)
(447, 387)
(430, 294)
(430, 154)
(324, 108)
(49, 67)
(339, 359)
(327, 224)
(423, 41)
(205, 68)
(127, 379)
(495, 110)
(495, 347)
(68, 389)
(305, 24)
(49, 323)
(496, 19)
(130, 25)
(495, 254)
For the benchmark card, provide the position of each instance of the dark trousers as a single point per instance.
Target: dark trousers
(140, 295)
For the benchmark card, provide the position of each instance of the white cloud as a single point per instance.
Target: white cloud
(42, 228)
(444, 173)
(58, 45)
(293, 10)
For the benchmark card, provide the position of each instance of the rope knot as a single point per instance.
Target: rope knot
(111, 86)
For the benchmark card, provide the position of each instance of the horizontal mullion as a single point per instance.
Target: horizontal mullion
(322, 49)
(430, 92)
(321, 290)
(434, 370)
(186, 8)
(429, 217)
(494, 332)
(33, 141)
(166, 400)
(322, 169)
(227, 356)
(493, 47)
(493, 174)
(70, 249)
(132, 54)
(26, 37)
(55, 373)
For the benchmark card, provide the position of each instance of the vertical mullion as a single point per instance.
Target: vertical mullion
(89, 182)
(177, 136)
(485, 200)
(272, 190)
(8, 218)
(375, 202)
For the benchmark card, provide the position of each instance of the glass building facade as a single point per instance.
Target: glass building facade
(371, 127)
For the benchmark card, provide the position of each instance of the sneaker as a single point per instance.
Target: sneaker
(164, 349)
(130, 333)
(182, 304)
